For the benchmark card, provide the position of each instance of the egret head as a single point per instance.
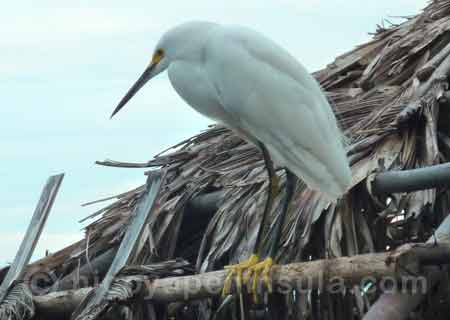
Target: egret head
(180, 43)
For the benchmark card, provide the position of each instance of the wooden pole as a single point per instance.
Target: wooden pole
(400, 266)
(397, 306)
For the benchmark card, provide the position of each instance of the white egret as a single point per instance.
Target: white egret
(245, 81)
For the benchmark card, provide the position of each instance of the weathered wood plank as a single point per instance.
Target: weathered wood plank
(129, 242)
(32, 234)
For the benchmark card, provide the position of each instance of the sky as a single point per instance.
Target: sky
(64, 68)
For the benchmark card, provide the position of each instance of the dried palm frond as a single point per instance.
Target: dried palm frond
(18, 303)
(126, 291)
(390, 97)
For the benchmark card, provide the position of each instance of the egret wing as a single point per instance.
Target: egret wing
(273, 99)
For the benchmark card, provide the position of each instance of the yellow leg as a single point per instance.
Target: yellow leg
(237, 270)
(255, 272)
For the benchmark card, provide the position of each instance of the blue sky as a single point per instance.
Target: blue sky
(64, 68)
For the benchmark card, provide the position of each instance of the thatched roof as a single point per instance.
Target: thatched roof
(390, 98)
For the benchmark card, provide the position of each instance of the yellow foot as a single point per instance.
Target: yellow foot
(261, 269)
(237, 271)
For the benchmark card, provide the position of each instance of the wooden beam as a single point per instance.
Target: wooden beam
(402, 264)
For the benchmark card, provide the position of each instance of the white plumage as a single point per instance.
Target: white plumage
(240, 78)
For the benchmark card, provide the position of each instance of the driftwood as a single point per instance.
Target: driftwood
(402, 266)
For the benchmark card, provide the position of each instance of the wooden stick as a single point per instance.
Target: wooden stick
(401, 265)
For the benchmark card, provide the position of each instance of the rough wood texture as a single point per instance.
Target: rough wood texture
(396, 306)
(32, 234)
(333, 274)
(15, 297)
(60, 304)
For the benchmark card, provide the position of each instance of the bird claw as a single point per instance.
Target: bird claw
(261, 269)
(254, 270)
(237, 271)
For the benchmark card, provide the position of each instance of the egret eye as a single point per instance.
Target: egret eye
(157, 56)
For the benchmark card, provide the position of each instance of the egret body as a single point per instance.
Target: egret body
(245, 81)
